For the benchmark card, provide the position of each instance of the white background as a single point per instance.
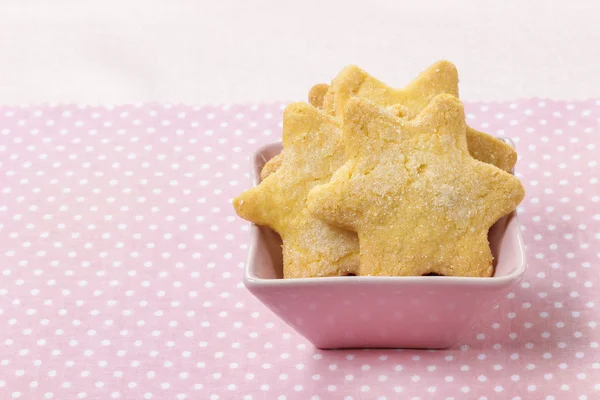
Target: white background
(250, 51)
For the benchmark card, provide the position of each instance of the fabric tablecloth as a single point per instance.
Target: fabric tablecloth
(121, 264)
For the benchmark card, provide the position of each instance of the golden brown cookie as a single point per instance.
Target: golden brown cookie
(439, 78)
(315, 97)
(410, 189)
(313, 147)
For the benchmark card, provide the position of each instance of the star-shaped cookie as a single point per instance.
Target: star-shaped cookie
(410, 189)
(439, 78)
(314, 150)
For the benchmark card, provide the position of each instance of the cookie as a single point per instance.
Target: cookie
(439, 78)
(316, 96)
(410, 189)
(314, 149)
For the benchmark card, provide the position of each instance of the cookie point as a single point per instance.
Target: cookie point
(351, 68)
(237, 203)
(520, 191)
(316, 95)
(299, 107)
(445, 65)
(352, 75)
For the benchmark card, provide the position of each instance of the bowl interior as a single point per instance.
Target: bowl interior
(504, 237)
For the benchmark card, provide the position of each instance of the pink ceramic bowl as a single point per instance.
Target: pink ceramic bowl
(397, 312)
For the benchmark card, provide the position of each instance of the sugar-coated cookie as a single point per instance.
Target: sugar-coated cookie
(410, 189)
(314, 150)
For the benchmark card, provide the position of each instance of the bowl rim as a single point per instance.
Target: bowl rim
(251, 280)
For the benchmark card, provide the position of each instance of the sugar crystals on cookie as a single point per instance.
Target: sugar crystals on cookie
(410, 189)
(313, 148)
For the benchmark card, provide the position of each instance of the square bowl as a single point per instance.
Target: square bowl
(379, 312)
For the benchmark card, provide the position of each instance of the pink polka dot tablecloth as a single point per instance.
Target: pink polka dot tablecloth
(121, 264)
